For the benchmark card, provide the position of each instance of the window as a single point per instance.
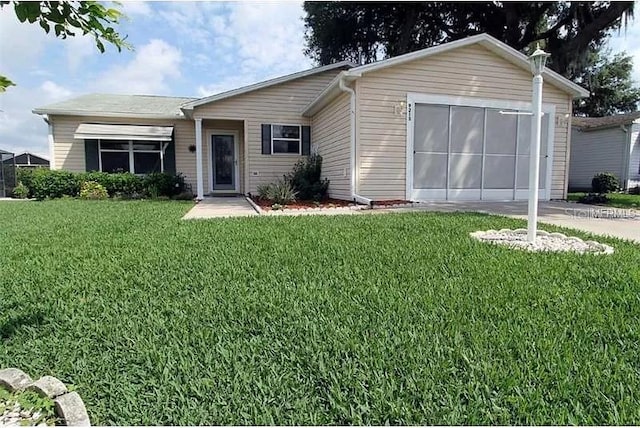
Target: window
(137, 157)
(286, 139)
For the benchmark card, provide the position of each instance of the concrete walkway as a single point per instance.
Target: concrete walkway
(616, 222)
(223, 206)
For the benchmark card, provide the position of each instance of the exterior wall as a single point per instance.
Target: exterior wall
(634, 159)
(331, 136)
(69, 152)
(279, 104)
(221, 125)
(601, 150)
(471, 71)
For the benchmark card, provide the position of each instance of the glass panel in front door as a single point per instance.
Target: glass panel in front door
(223, 162)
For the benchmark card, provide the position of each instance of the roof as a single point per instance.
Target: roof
(260, 85)
(111, 105)
(501, 49)
(4, 152)
(590, 123)
(30, 157)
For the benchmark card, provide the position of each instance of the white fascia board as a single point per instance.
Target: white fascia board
(260, 85)
(127, 115)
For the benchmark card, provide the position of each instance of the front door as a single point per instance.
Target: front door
(223, 150)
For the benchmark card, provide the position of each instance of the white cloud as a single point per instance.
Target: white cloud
(140, 8)
(22, 130)
(20, 43)
(148, 72)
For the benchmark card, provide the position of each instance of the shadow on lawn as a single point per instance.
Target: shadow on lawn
(15, 323)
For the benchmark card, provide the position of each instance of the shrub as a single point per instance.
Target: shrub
(263, 191)
(93, 190)
(305, 179)
(605, 182)
(281, 192)
(634, 190)
(47, 183)
(124, 184)
(25, 176)
(183, 196)
(21, 191)
(594, 198)
(162, 184)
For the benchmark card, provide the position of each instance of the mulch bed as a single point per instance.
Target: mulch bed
(390, 202)
(266, 204)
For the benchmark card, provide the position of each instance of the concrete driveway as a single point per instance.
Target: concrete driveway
(620, 223)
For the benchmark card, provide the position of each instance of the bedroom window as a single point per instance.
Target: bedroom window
(137, 157)
(286, 139)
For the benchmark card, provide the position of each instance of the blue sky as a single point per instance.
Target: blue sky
(181, 49)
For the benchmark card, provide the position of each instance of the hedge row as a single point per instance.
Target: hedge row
(45, 183)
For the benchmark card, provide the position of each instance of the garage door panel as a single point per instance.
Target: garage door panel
(501, 133)
(467, 134)
(499, 172)
(465, 171)
(522, 179)
(430, 171)
(429, 134)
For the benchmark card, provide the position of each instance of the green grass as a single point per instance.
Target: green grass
(371, 319)
(619, 200)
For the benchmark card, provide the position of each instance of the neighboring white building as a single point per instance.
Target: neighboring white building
(605, 144)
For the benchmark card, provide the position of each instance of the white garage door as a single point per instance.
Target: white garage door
(473, 153)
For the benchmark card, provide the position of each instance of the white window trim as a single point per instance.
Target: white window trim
(131, 151)
(299, 140)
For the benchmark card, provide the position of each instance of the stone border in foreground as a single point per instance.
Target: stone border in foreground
(68, 405)
(545, 241)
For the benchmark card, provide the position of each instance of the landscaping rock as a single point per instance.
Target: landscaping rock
(48, 386)
(14, 380)
(71, 409)
(545, 241)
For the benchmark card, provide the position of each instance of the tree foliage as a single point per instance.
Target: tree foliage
(366, 31)
(612, 90)
(68, 19)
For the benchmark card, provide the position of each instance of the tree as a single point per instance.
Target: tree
(612, 90)
(69, 18)
(367, 31)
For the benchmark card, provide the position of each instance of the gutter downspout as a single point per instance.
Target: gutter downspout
(352, 116)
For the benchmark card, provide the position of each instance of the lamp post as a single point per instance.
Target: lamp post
(537, 61)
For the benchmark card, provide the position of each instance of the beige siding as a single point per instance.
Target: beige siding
(330, 133)
(69, 152)
(279, 104)
(471, 71)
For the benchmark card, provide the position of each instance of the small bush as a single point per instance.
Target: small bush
(163, 184)
(25, 176)
(263, 191)
(605, 182)
(634, 190)
(21, 191)
(125, 184)
(305, 179)
(93, 190)
(47, 183)
(594, 198)
(183, 196)
(281, 192)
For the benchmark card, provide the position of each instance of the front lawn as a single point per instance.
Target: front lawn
(363, 319)
(619, 200)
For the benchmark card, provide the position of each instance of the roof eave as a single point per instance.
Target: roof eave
(127, 115)
(327, 94)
